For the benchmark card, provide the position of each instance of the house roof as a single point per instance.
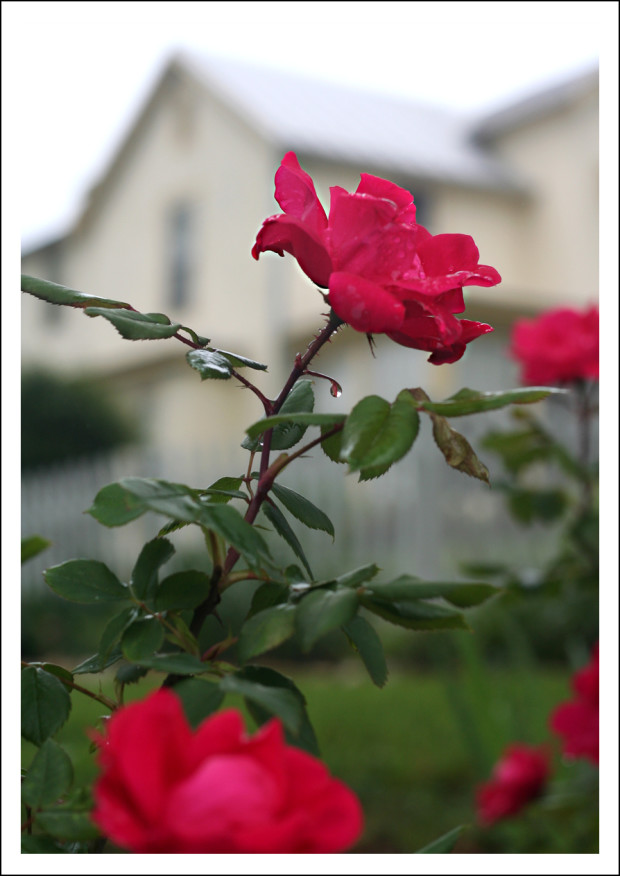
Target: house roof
(536, 105)
(339, 123)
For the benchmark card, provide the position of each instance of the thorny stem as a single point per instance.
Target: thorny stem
(220, 579)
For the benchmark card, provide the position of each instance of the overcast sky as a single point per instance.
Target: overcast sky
(77, 73)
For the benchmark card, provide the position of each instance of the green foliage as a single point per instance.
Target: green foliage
(45, 704)
(32, 546)
(443, 845)
(64, 419)
(50, 774)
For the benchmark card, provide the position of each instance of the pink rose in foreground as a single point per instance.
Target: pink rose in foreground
(577, 721)
(385, 273)
(518, 778)
(559, 346)
(167, 789)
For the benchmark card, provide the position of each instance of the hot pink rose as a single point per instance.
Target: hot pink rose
(558, 346)
(518, 778)
(577, 721)
(167, 789)
(385, 273)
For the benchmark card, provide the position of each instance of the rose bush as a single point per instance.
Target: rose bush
(164, 788)
(385, 273)
(559, 346)
(518, 777)
(577, 721)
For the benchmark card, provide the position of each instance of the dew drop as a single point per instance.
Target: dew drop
(335, 389)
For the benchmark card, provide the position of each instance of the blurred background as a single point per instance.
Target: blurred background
(152, 135)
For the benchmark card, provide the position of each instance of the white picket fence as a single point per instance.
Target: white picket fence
(420, 518)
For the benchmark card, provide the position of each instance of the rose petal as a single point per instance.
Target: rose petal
(366, 306)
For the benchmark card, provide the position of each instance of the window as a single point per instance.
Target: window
(180, 254)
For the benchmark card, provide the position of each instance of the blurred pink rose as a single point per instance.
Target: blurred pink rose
(558, 346)
(167, 789)
(577, 721)
(518, 778)
(385, 273)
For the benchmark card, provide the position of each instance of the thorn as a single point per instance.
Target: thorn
(371, 344)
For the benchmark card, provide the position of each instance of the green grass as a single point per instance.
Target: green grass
(410, 751)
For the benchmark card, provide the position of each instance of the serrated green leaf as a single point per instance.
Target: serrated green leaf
(113, 631)
(305, 737)
(68, 825)
(321, 611)
(462, 595)
(300, 401)
(32, 546)
(200, 698)
(179, 664)
(182, 590)
(470, 401)
(278, 701)
(375, 437)
(54, 293)
(357, 576)
(224, 489)
(153, 555)
(415, 615)
(134, 326)
(325, 421)
(332, 446)
(210, 364)
(266, 630)
(115, 506)
(367, 643)
(268, 594)
(444, 844)
(280, 524)
(49, 775)
(303, 509)
(238, 361)
(93, 664)
(45, 704)
(86, 581)
(141, 639)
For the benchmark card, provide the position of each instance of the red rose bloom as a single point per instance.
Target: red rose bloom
(385, 273)
(559, 346)
(518, 778)
(167, 789)
(577, 721)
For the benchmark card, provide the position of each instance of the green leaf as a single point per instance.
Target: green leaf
(60, 672)
(268, 594)
(57, 294)
(143, 580)
(113, 631)
(68, 825)
(376, 436)
(303, 509)
(179, 664)
(115, 506)
(224, 489)
(321, 611)
(94, 664)
(238, 361)
(325, 421)
(86, 581)
(367, 643)
(280, 524)
(300, 401)
(210, 364)
(457, 451)
(134, 326)
(278, 701)
(49, 775)
(32, 546)
(305, 737)
(141, 639)
(406, 587)
(444, 844)
(45, 704)
(129, 673)
(200, 698)
(332, 447)
(470, 401)
(182, 590)
(530, 505)
(266, 630)
(415, 615)
(357, 576)
(38, 844)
